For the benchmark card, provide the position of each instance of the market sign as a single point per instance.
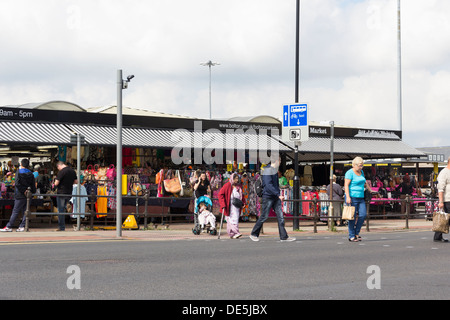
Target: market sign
(345, 132)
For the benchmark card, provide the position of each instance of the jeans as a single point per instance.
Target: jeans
(20, 205)
(267, 204)
(62, 203)
(354, 226)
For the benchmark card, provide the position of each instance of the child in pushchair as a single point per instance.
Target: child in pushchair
(204, 219)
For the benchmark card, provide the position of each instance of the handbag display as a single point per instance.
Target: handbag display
(440, 221)
(348, 213)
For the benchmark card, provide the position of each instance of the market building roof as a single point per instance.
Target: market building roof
(55, 121)
(135, 112)
(49, 105)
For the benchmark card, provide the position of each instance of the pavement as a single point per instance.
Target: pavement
(183, 231)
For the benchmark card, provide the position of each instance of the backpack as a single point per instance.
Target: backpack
(43, 183)
(259, 188)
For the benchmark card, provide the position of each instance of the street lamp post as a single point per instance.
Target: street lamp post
(209, 64)
(121, 84)
(399, 71)
(296, 184)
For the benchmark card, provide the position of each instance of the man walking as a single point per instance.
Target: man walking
(444, 195)
(271, 199)
(24, 179)
(64, 182)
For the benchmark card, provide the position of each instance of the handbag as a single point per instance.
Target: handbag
(111, 173)
(172, 185)
(440, 221)
(181, 185)
(348, 213)
(136, 188)
(237, 203)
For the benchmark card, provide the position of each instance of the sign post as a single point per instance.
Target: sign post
(295, 129)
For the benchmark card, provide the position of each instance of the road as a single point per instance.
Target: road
(408, 265)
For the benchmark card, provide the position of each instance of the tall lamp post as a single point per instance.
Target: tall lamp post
(296, 184)
(399, 71)
(121, 84)
(209, 64)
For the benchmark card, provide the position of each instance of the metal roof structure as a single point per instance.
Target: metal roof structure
(47, 126)
(49, 105)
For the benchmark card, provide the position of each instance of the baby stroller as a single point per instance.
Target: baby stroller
(197, 227)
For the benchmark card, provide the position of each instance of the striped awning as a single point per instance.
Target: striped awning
(315, 149)
(181, 138)
(318, 149)
(34, 133)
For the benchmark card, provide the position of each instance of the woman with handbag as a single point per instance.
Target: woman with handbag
(354, 196)
(231, 202)
(444, 195)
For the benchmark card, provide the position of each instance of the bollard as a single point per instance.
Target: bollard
(408, 200)
(367, 215)
(146, 195)
(28, 194)
(92, 200)
(315, 213)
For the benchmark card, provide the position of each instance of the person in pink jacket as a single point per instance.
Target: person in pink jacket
(229, 197)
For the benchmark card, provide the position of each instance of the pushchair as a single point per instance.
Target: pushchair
(212, 230)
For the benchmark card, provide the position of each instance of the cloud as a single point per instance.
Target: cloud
(71, 50)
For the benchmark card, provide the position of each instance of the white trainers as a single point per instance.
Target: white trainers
(254, 238)
(236, 236)
(289, 239)
(20, 229)
(6, 229)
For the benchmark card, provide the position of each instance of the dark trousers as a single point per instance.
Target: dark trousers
(20, 206)
(62, 203)
(267, 204)
(438, 235)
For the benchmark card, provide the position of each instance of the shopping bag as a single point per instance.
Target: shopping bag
(348, 213)
(440, 221)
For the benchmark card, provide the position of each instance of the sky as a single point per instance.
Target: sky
(71, 50)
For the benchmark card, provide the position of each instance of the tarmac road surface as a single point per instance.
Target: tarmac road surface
(396, 265)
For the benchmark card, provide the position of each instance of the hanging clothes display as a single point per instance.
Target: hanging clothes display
(254, 206)
(83, 200)
(287, 206)
(111, 191)
(245, 213)
(102, 202)
(323, 205)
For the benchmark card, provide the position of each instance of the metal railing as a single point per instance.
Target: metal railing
(163, 202)
(316, 216)
(166, 201)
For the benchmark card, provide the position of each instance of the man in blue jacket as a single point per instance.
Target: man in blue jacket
(24, 180)
(271, 198)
